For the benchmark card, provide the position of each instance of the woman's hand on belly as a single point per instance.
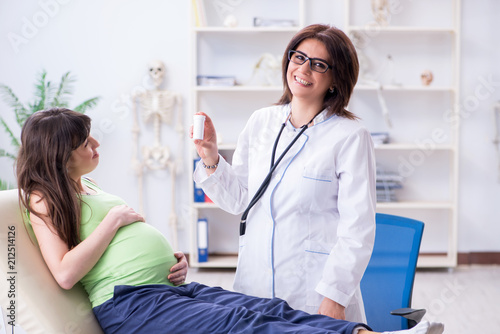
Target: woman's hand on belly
(123, 215)
(179, 270)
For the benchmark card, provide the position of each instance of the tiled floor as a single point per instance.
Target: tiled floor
(466, 299)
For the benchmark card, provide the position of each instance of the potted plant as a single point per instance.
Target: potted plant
(47, 96)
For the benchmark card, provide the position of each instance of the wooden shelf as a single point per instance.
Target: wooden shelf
(430, 36)
(241, 88)
(367, 87)
(246, 29)
(409, 147)
(380, 147)
(204, 205)
(218, 261)
(436, 261)
(400, 29)
(416, 205)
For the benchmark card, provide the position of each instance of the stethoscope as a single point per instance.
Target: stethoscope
(267, 180)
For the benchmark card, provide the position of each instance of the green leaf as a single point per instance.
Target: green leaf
(12, 100)
(13, 139)
(88, 104)
(6, 154)
(41, 91)
(64, 90)
(4, 185)
(46, 96)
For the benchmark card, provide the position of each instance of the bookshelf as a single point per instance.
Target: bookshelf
(244, 45)
(424, 133)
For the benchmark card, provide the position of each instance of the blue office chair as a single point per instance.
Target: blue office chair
(387, 284)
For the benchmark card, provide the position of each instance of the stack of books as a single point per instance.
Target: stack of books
(199, 194)
(200, 19)
(215, 80)
(380, 138)
(264, 22)
(387, 183)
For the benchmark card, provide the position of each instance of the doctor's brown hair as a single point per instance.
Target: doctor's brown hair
(345, 66)
(47, 140)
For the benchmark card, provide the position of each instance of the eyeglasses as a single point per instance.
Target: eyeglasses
(316, 64)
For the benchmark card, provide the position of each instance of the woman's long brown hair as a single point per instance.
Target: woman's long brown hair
(47, 139)
(345, 66)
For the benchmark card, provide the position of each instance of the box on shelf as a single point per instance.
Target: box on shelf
(213, 80)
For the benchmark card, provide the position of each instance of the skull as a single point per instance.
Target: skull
(426, 77)
(156, 70)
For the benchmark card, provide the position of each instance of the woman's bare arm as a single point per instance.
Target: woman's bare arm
(70, 266)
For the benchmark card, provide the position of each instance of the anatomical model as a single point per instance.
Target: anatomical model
(157, 107)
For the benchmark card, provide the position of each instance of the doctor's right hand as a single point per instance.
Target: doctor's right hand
(207, 147)
(332, 309)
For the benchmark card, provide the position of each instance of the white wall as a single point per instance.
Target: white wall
(479, 213)
(107, 45)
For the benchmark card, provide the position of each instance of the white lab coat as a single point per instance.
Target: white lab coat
(311, 234)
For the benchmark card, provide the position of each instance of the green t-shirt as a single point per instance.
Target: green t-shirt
(138, 254)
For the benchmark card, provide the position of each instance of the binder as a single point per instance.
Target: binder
(199, 194)
(202, 240)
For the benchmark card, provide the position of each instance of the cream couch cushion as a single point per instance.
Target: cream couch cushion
(41, 306)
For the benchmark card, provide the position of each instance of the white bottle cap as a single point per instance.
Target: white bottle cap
(198, 126)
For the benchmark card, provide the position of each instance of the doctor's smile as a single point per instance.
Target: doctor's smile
(303, 82)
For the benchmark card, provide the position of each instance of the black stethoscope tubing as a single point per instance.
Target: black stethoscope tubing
(267, 180)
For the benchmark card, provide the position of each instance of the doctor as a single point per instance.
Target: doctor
(309, 237)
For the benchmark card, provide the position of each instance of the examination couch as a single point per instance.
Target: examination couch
(29, 296)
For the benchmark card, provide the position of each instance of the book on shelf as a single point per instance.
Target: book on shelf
(263, 22)
(380, 138)
(386, 184)
(207, 199)
(202, 228)
(214, 80)
(199, 194)
(200, 17)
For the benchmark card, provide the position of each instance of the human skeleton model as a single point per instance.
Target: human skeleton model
(157, 107)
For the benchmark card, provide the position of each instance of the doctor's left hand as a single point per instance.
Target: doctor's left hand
(332, 309)
(179, 270)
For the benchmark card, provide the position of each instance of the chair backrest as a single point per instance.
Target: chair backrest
(388, 280)
(29, 295)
